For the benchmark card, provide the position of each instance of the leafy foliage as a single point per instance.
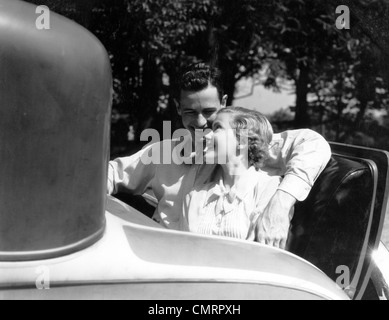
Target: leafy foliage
(341, 76)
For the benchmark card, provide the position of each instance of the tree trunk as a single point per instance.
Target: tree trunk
(302, 119)
(229, 81)
(148, 95)
(174, 97)
(359, 121)
(339, 119)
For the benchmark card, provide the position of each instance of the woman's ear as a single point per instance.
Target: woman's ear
(243, 140)
(242, 148)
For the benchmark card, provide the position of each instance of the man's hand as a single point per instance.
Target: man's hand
(273, 228)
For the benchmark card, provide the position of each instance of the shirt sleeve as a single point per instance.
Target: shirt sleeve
(300, 156)
(133, 174)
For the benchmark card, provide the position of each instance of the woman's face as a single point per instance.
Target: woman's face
(222, 144)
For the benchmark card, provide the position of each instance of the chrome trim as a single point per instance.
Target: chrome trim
(381, 273)
(60, 285)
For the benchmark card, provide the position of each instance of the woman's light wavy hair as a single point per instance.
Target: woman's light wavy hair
(256, 128)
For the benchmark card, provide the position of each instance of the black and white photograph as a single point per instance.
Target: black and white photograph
(194, 155)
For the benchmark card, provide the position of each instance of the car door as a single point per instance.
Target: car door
(339, 226)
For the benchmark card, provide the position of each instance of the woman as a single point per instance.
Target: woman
(232, 200)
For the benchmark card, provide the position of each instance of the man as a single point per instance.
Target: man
(298, 156)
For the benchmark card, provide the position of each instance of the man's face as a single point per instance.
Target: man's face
(198, 109)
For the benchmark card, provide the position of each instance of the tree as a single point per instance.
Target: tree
(354, 86)
(340, 77)
(304, 39)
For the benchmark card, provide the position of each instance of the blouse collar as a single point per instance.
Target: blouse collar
(238, 192)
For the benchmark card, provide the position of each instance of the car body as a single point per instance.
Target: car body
(62, 238)
(137, 259)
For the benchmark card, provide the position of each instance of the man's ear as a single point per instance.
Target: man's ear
(224, 101)
(178, 107)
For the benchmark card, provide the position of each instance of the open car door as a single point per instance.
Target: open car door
(339, 227)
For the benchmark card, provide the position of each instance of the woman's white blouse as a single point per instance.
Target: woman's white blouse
(211, 210)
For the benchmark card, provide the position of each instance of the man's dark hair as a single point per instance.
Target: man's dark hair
(199, 76)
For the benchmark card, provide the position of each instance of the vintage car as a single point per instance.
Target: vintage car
(62, 238)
